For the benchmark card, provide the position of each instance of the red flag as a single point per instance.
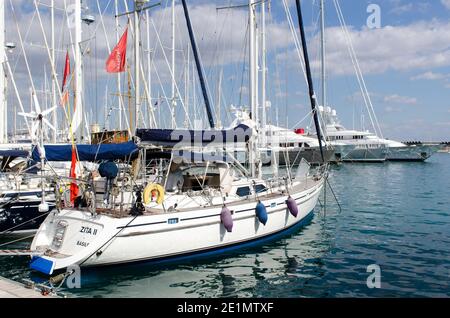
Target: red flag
(66, 71)
(117, 59)
(73, 186)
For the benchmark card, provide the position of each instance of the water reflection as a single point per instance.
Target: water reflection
(393, 215)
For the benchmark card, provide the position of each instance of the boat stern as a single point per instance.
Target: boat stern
(67, 238)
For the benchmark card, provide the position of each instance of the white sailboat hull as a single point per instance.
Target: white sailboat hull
(163, 236)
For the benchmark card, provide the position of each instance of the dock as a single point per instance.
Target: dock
(12, 289)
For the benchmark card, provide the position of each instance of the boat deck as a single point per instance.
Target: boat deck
(118, 213)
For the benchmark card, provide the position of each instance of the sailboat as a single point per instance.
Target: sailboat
(202, 205)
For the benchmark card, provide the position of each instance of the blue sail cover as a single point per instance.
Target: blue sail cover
(170, 137)
(89, 152)
(14, 153)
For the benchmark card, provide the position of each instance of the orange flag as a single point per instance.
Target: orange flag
(73, 185)
(117, 59)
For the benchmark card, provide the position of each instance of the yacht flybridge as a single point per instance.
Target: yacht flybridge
(364, 146)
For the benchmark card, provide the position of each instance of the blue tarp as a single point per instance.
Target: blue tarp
(14, 153)
(170, 137)
(89, 152)
(190, 157)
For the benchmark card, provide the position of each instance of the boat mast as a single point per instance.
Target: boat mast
(253, 151)
(322, 41)
(3, 101)
(119, 85)
(187, 78)
(149, 71)
(219, 99)
(78, 69)
(312, 93)
(137, 57)
(199, 66)
(174, 93)
(264, 73)
(53, 61)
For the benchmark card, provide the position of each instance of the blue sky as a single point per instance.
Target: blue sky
(406, 63)
(423, 112)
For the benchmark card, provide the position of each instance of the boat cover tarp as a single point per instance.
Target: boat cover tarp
(14, 153)
(91, 153)
(171, 137)
(187, 156)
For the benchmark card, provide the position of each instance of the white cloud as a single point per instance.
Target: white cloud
(385, 99)
(418, 46)
(402, 8)
(430, 76)
(397, 99)
(399, 8)
(390, 109)
(446, 3)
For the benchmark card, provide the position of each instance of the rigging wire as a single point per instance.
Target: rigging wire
(359, 74)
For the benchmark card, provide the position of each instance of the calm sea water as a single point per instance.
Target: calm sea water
(394, 215)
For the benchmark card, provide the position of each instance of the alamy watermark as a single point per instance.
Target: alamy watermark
(71, 17)
(71, 278)
(374, 279)
(374, 18)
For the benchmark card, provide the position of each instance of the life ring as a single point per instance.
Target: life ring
(150, 192)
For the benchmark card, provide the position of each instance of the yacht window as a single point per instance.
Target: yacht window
(260, 188)
(307, 145)
(243, 191)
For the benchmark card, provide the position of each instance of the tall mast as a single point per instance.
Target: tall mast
(312, 93)
(187, 79)
(53, 103)
(3, 113)
(174, 93)
(78, 68)
(264, 73)
(219, 99)
(256, 69)
(322, 41)
(198, 64)
(119, 86)
(137, 61)
(252, 85)
(149, 72)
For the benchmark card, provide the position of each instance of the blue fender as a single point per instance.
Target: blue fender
(261, 213)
